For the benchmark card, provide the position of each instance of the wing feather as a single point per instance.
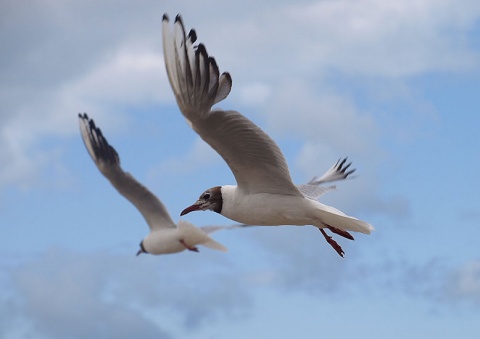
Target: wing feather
(339, 171)
(108, 162)
(254, 158)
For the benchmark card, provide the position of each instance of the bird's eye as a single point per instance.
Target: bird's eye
(206, 196)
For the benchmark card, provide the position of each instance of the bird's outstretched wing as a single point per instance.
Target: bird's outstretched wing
(108, 162)
(254, 158)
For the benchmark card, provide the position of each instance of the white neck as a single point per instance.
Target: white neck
(229, 200)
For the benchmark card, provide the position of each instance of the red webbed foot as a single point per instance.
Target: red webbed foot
(343, 233)
(333, 243)
(190, 248)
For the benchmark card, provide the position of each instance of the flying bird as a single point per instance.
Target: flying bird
(164, 237)
(265, 194)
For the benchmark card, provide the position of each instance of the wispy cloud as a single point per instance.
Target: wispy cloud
(67, 294)
(464, 282)
(118, 295)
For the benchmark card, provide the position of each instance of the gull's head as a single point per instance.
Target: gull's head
(211, 200)
(142, 249)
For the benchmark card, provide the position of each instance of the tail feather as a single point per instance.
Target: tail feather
(215, 245)
(330, 216)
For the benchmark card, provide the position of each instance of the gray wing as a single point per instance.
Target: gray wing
(214, 228)
(108, 162)
(339, 171)
(254, 158)
(314, 192)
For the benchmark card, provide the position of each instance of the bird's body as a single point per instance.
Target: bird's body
(265, 193)
(271, 209)
(173, 240)
(164, 237)
(263, 209)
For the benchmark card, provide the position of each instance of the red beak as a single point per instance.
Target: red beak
(190, 209)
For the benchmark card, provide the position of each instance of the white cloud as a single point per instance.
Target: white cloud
(394, 38)
(254, 93)
(44, 88)
(130, 77)
(65, 58)
(368, 37)
(321, 115)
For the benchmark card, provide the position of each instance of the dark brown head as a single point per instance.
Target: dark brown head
(211, 199)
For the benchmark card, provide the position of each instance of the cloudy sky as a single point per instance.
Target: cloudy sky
(394, 85)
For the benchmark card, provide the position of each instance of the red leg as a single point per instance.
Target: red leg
(332, 243)
(343, 233)
(190, 248)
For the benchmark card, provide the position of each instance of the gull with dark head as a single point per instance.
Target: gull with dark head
(265, 194)
(165, 237)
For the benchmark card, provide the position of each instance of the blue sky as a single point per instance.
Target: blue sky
(394, 85)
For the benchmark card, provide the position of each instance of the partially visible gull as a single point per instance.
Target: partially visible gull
(265, 194)
(165, 236)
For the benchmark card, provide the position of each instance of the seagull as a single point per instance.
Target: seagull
(164, 237)
(265, 194)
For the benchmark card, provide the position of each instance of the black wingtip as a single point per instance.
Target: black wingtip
(93, 127)
(192, 36)
(343, 169)
(214, 65)
(178, 17)
(228, 76)
(202, 49)
(165, 17)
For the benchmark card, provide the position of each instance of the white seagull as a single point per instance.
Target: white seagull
(165, 237)
(265, 194)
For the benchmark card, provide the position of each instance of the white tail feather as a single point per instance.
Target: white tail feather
(215, 245)
(330, 216)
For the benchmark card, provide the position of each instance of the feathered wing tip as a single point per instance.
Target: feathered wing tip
(193, 74)
(338, 171)
(96, 144)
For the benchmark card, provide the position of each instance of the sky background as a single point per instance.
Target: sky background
(394, 85)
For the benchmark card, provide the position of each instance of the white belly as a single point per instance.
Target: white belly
(163, 241)
(265, 209)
